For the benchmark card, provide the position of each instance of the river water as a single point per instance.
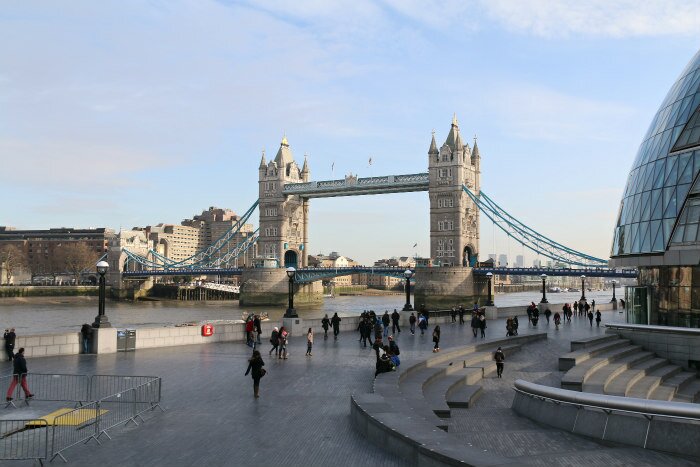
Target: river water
(42, 315)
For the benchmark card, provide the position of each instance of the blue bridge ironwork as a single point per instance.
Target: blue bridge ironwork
(588, 272)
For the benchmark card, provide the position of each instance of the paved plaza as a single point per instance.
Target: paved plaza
(302, 417)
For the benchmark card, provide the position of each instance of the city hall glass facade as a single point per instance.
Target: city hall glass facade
(658, 226)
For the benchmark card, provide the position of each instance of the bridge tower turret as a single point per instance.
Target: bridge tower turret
(454, 217)
(283, 219)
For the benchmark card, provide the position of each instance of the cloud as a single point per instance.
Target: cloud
(606, 18)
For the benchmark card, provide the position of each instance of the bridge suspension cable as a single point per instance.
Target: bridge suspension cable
(530, 238)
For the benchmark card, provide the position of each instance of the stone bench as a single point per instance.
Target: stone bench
(571, 359)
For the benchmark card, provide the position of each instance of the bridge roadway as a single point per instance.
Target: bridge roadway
(302, 417)
(313, 274)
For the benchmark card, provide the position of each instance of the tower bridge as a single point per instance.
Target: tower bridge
(284, 192)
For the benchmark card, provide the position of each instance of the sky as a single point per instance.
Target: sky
(131, 113)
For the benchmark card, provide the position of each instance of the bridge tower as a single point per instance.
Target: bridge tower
(454, 217)
(283, 219)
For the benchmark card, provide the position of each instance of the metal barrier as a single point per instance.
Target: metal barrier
(103, 403)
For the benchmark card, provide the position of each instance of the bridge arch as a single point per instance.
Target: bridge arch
(291, 259)
(469, 256)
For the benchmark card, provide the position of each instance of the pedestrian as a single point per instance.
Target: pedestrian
(10, 337)
(256, 364)
(283, 341)
(500, 357)
(395, 322)
(590, 317)
(475, 323)
(557, 319)
(453, 314)
(593, 305)
(422, 324)
(509, 327)
(384, 363)
(529, 314)
(325, 324)
(461, 314)
(576, 308)
(515, 325)
(622, 303)
(86, 332)
(482, 324)
(378, 344)
(598, 317)
(335, 322)
(368, 331)
(412, 323)
(19, 375)
(436, 338)
(393, 346)
(309, 342)
(275, 341)
(385, 322)
(258, 329)
(249, 327)
(547, 314)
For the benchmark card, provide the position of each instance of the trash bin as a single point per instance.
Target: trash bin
(126, 340)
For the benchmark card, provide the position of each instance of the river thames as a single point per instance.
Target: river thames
(42, 315)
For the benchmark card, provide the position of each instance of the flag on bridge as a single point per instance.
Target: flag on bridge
(370, 161)
(415, 245)
(332, 167)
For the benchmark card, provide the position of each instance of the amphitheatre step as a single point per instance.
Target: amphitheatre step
(689, 391)
(667, 389)
(643, 388)
(463, 396)
(435, 392)
(600, 378)
(579, 344)
(578, 375)
(571, 359)
(621, 384)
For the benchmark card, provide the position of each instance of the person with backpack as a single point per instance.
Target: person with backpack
(283, 341)
(335, 322)
(275, 341)
(395, 322)
(436, 339)
(325, 324)
(422, 324)
(412, 323)
(500, 357)
(309, 342)
(256, 364)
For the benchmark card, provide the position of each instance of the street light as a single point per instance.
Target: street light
(408, 274)
(583, 288)
(614, 300)
(291, 312)
(101, 320)
(544, 290)
(489, 300)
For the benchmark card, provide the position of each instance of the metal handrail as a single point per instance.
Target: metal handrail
(653, 328)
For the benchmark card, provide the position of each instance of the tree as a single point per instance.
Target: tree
(75, 258)
(12, 258)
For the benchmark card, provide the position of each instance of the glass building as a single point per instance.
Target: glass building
(657, 225)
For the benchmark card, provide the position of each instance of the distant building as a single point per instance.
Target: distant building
(493, 257)
(175, 242)
(386, 282)
(503, 261)
(536, 263)
(334, 260)
(520, 261)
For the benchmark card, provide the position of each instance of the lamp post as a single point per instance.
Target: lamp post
(544, 289)
(614, 300)
(408, 274)
(583, 288)
(489, 300)
(291, 312)
(101, 320)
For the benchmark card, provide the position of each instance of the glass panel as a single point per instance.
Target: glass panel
(671, 171)
(645, 245)
(691, 233)
(646, 208)
(685, 168)
(656, 211)
(678, 234)
(671, 206)
(668, 226)
(658, 244)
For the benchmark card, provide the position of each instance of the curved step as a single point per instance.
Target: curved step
(571, 359)
(577, 376)
(621, 384)
(667, 389)
(600, 378)
(580, 344)
(689, 391)
(463, 396)
(643, 388)
(435, 392)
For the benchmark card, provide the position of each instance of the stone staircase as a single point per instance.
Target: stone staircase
(611, 365)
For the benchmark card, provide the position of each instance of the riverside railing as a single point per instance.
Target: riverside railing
(102, 402)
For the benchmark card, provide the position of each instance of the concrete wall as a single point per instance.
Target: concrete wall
(679, 345)
(270, 287)
(46, 345)
(445, 287)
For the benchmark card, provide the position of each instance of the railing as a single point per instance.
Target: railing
(652, 328)
(645, 407)
(103, 402)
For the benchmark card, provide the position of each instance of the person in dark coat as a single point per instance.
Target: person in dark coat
(335, 322)
(86, 332)
(475, 323)
(461, 311)
(395, 322)
(590, 317)
(275, 341)
(258, 329)
(19, 372)
(256, 364)
(482, 324)
(597, 318)
(10, 337)
(385, 322)
(412, 323)
(393, 347)
(325, 324)
(436, 339)
(500, 357)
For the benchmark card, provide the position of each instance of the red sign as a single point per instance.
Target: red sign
(207, 330)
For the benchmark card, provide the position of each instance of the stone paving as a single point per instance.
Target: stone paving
(302, 417)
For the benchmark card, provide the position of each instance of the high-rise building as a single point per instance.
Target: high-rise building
(214, 223)
(175, 242)
(503, 261)
(520, 261)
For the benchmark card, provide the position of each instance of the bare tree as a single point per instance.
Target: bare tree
(13, 258)
(75, 258)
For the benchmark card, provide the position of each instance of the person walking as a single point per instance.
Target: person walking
(395, 322)
(547, 314)
(590, 317)
(482, 325)
(10, 337)
(593, 305)
(258, 329)
(453, 314)
(598, 317)
(309, 342)
(86, 332)
(275, 341)
(335, 322)
(255, 368)
(475, 323)
(249, 328)
(412, 323)
(385, 322)
(557, 319)
(576, 308)
(19, 375)
(461, 311)
(422, 324)
(283, 341)
(500, 357)
(325, 324)
(436, 339)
